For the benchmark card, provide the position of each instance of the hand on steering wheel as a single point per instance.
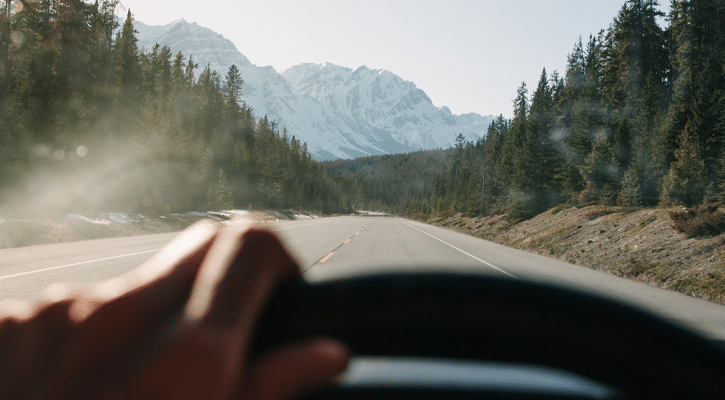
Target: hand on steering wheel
(180, 327)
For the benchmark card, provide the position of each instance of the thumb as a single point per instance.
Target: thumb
(290, 370)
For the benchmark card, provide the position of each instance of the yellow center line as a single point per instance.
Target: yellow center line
(327, 257)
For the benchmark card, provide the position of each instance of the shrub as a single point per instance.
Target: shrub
(521, 205)
(589, 195)
(636, 268)
(699, 221)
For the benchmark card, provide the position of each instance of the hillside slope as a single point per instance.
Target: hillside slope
(638, 244)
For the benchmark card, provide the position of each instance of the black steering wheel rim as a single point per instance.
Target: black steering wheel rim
(473, 317)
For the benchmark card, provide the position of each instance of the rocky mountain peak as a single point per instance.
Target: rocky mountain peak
(338, 111)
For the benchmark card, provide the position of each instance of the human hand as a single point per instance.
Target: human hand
(178, 327)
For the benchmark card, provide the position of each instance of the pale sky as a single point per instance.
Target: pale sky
(468, 55)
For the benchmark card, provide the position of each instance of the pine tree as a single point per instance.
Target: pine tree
(271, 179)
(233, 85)
(219, 197)
(191, 66)
(496, 163)
(520, 144)
(6, 142)
(232, 88)
(128, 76)
(647, 165)
(177, 71)
(5, 65)
(575, 120)
(685, 183)
(101, 27)
(697, 51)
(705, 118)
(545, 158)
(630, 194)
(127, 55)
(636, 62)
(201, 175)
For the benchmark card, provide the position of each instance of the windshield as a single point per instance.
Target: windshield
(359, 131)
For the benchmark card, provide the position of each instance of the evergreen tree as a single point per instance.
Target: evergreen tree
(575, 121)
(191, 66)
(219, 197)
(648, 162)
(545, 158)
(697, 51)
(233, 85)
(630, 194)
(232, 88)
(127, 55)
(685, 183)
(5, 30)
(128, 75)
(520, 143)
(177, 71)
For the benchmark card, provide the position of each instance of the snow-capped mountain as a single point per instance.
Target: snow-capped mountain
(205, 45)
(339, 112)
(394, 108)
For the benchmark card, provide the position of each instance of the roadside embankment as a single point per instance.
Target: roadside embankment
(75, 227)
(635, 243)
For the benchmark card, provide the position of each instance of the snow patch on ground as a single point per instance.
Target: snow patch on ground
(109, 218)
(15, 232)
(219, 215)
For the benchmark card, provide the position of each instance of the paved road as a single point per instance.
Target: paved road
(355, 245)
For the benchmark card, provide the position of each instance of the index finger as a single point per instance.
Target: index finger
(236, 278)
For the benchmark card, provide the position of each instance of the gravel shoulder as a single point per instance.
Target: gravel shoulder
(635, 243)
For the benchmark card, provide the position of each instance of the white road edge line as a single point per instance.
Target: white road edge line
(462, 251)
(78, 263)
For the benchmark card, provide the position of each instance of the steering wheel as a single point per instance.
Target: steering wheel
(471, 318)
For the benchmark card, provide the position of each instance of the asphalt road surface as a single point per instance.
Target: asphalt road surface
(337, 246)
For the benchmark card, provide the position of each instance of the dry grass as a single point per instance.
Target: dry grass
(636, 243)
(699, 221)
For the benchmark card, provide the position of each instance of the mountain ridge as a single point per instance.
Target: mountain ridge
(341, 113)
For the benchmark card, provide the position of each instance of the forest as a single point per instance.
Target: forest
(637, 119)
(86, 114)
